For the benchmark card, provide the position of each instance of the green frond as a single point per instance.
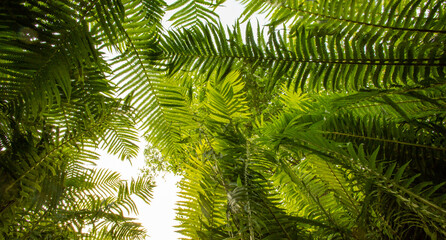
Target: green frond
(159, 106)
(399, 142)
(389, 15)
(413, 103)
(141, 187)
(337, 180)
(308, 196)
(397, 183)
(120, 138)
(226, 101)
(202, 196)
(223, 198)
(387, 170)
(40, 66)
(190, 13)
(331, 126)
(307, 59)
(91, 199)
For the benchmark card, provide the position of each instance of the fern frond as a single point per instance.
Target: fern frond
(307, 59)
(389, 15)
(416, 102)
(303, 134)
(190, 13)
(397, 183)
(203, 196)
(226, 101)
(40, 65)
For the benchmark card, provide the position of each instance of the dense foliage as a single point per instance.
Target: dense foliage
(57, 106)
(328, 123)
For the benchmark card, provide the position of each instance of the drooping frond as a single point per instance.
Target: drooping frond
(405, 191)
(57, 105)
(224, 191)
(402, 104)
(94, 200)
(405, 156)
(317, 203)
(397, 16)
(199, 211)
(43, 57)
(48, 153)
(309, 59)
(103, 195)
(160, 106)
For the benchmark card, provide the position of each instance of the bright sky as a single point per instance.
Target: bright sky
(159, 217)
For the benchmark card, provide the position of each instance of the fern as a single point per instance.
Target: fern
(190, 13)
(392, 15)
(402, 188)
(299, 133)
(56, 104)
(275, 130)
(303, 61)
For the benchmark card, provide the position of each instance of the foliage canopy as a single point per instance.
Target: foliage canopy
(328, 123)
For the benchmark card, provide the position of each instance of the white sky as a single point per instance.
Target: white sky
(159, 217)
